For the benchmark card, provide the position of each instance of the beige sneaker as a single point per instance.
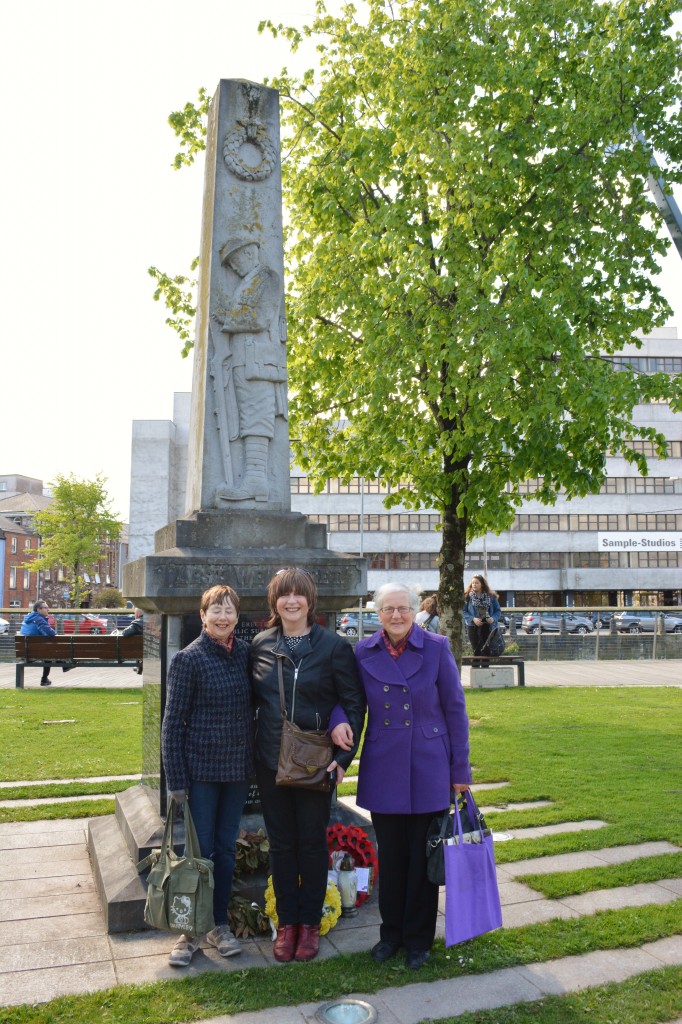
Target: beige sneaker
(224, 941)
(184, 949)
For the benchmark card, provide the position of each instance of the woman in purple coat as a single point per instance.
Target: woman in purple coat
(415, 753)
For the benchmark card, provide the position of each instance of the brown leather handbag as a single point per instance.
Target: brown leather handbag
(303, 754)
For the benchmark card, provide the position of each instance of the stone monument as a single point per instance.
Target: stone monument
(238, 526)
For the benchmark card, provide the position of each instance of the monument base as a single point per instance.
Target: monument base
(491, 678)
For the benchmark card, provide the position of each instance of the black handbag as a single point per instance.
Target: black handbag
(494, 644)
(442, 830)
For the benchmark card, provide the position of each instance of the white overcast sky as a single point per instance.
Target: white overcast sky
(88, 201)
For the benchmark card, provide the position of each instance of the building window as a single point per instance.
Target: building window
(27, 579)
(655, 559)
(47, 575)
(12, 578)
(14, 545)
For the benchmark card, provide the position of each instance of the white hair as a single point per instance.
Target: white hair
(395, 587)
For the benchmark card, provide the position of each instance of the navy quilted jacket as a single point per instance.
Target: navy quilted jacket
(207, 732)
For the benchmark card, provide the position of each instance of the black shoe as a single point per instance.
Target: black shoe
(416, 958)
(46, 682)
(384, 951)
(67, 668)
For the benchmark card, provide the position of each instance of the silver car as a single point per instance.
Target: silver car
(643, 620)
(4, 626)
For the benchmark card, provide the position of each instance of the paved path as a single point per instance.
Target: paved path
(53, 941)
(538, 673)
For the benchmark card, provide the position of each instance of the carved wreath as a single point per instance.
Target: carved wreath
(255, 133)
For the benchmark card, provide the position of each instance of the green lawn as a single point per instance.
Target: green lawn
(93, 732)
(612, 754)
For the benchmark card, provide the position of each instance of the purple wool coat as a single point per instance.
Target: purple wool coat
(417, 737)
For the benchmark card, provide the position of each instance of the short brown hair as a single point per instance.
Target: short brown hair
(291, 581)
(219, 595)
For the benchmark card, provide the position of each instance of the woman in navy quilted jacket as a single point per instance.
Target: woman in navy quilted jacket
(207, 747)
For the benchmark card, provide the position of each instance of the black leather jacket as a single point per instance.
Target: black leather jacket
(327, 676)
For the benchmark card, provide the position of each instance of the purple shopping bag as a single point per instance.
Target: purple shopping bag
(472, 901)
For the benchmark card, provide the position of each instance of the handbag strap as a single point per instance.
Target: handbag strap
(280, 680)
(474, 815)
(166, 841)
(192, 847)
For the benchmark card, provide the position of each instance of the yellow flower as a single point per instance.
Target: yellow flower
(331, 910)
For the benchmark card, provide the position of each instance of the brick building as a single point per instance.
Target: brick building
(21, 587)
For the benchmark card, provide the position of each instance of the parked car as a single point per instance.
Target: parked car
(643, 620)
(505, 621)
(86, 624)
(4, 626)
(347, 623)
(550, 622)
(120, 621)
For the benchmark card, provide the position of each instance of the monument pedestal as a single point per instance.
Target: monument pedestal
(237, 547)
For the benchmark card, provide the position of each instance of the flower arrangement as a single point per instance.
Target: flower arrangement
(331, 911)
(353, 840)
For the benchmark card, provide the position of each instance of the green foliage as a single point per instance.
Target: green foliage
(110, 597)
(189, 126)
(74, 529)
(465, 243)
(179, 296)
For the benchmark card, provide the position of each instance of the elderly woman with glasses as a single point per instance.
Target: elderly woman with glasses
(415, 754)
(319, 674)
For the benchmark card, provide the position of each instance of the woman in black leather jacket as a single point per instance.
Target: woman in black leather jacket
(319, 674)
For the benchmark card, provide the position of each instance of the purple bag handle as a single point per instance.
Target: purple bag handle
(474, 816)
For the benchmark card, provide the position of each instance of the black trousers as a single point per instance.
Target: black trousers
(296, 823)
(478, 636)
(408, 901)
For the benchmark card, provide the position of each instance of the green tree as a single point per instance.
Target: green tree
(471, 244)
(74, 529)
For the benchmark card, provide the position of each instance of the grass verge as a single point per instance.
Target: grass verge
(211, 994)
(646, 999)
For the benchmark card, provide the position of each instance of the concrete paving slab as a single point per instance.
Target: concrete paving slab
(621, 896)
(516, 915)
(587, 859)
(66, 854)
(517, 892)
(528, 805)
(572, 974)
(12, 828)
(65, 953)
(436, 999)
(42, 985)
(41, 840)
(668, 950)
(623, 854)
(57, 885)
(49, 906)
(555, 830)
(44, 868)
(674, 884)
(26, 932)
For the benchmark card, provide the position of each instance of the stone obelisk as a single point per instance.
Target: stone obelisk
(238, 527)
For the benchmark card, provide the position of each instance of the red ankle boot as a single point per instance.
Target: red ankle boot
(308, 942)
(285, 943)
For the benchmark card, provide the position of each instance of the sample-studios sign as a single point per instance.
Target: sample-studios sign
(634, 541)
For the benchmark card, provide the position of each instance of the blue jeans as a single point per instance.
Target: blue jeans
(216, 812)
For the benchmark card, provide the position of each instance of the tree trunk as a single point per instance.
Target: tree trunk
(451, 588)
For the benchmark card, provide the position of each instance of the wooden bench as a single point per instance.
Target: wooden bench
(504, 659)
(78, 651)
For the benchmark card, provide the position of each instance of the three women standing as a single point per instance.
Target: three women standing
(319, 674)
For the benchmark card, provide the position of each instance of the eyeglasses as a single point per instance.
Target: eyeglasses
(293, 568)
(402, 610)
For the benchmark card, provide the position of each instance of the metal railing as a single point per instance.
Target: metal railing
(64, 621)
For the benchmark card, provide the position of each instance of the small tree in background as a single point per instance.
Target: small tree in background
(74, 530)
(110, 597)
